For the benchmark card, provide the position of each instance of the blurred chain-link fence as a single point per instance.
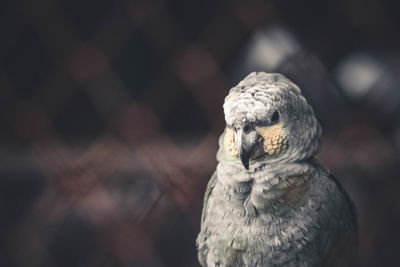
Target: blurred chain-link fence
(110, 113)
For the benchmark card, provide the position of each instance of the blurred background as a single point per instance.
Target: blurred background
(110, 113)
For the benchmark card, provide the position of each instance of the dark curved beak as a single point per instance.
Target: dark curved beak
(244, 149)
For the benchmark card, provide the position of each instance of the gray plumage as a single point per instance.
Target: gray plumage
(269, 202)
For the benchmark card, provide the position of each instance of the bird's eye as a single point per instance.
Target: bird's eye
(275, 117)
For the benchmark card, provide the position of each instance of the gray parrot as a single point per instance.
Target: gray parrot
(270, 202)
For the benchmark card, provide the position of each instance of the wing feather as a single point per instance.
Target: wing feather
(344, 250)
(210, 187)
(201, 239)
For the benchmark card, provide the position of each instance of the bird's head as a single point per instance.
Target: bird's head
(268, 119)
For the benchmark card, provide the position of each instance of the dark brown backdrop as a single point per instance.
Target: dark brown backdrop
(110, 113)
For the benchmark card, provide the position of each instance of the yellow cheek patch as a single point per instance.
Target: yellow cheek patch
(229, 142)
(275, 140)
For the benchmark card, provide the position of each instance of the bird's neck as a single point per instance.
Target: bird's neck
(285, 182)
(234, 172)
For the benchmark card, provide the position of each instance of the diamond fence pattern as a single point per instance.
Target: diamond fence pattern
(110, 113)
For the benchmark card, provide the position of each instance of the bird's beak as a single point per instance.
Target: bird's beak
(244, 149)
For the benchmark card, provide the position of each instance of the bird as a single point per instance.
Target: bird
(270, 202)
